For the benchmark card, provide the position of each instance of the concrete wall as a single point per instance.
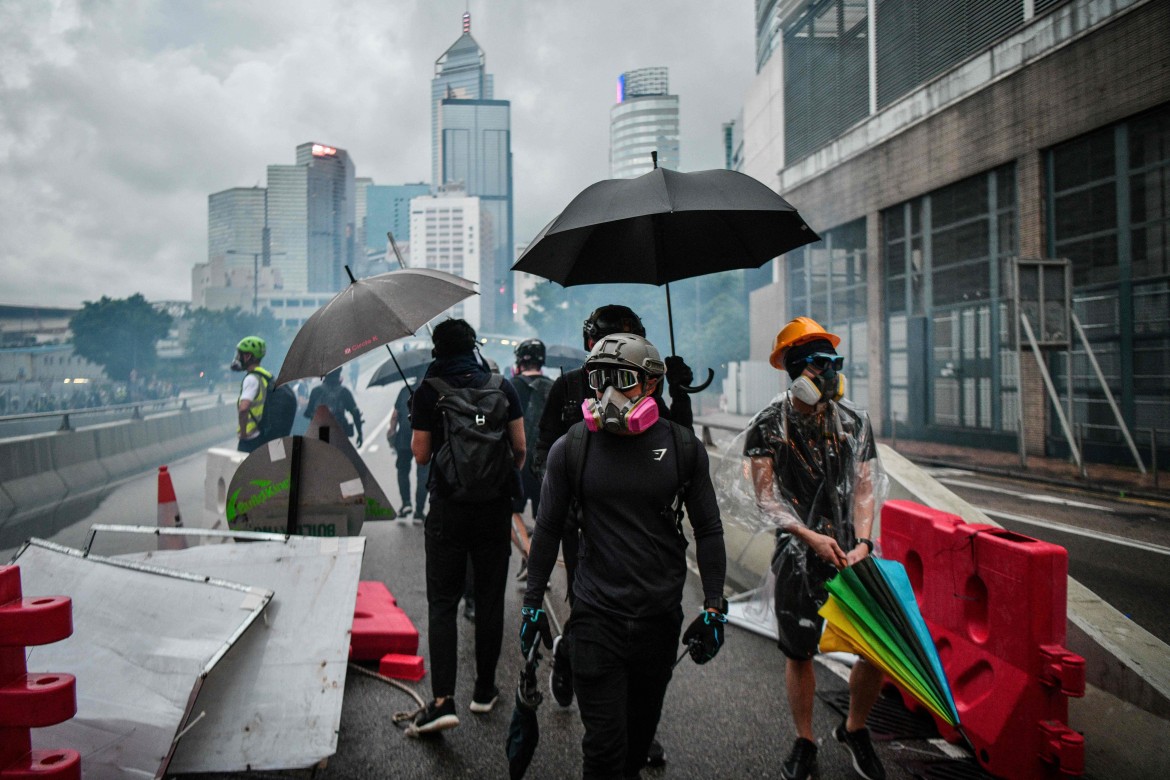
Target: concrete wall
(52, 480)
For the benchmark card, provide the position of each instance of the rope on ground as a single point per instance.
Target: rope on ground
(398, 718)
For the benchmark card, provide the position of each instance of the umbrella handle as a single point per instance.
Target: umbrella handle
(699, 388)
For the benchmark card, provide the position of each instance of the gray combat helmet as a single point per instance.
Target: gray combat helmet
(626, 351)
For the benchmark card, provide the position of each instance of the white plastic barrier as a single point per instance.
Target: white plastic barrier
(221, 467)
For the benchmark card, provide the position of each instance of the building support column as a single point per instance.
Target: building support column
(875, 308)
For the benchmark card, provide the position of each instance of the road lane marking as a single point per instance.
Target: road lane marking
(1039, 498)
(1065, 529)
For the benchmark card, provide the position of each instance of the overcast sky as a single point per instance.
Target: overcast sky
(119, 117)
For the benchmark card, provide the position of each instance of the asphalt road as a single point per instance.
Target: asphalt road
(1118, 548)
(727, 719)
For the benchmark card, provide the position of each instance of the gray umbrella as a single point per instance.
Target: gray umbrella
(368, 314)
(410, 364)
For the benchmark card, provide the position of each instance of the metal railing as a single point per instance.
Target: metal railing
(29, 423)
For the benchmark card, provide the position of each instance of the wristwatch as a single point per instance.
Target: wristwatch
(867, 542)
(719, 604)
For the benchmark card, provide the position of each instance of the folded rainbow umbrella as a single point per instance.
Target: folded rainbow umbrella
(871, 611)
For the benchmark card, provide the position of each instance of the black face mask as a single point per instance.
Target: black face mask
(828, 381)
(238, 363)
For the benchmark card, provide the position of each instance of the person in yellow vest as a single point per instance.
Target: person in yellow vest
(253, 391)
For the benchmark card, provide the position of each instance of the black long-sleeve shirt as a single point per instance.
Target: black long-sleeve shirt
(633, 561)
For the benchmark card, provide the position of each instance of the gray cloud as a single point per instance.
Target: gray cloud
(119, 117)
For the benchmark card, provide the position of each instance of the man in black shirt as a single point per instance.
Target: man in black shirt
(627, 613)
(457, 531)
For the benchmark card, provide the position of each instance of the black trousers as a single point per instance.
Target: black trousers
(404, 463)
(456, 533)
(621, 668)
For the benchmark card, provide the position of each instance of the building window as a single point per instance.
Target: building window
(951, 362)
(827, 281)
(1109, 214)
(826, 74)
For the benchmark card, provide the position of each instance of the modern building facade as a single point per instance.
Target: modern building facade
(388, 211)
(472, 149)
(935, 147)
(450, 232)
(643, 120)
(312, 218)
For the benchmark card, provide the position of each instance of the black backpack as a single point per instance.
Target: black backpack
(474, 462)
(533, 392)
(280, 409)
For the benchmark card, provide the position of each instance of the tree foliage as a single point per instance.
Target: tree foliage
(710, 316)
(119, 334)
(212, 336)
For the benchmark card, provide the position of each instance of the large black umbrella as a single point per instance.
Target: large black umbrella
(368, 314)
(662, 227)
(410, 364)
(564, 357)
(524, 731)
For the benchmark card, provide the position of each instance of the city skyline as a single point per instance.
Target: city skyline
(117, 122)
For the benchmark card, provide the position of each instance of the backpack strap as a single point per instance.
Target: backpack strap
(575, 382)
(685, 447)
(577, 446)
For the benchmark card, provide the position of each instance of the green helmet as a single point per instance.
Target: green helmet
(252, 345)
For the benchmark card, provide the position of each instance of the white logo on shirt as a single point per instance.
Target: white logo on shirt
(659, 454)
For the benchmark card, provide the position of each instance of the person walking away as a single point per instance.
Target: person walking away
(469, 427)
(399, 435)
(533, 388)
(562, 410)
(253, 391)
(630, 473)
(816, 477)
(339, 400)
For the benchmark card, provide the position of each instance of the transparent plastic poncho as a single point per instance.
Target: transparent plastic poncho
(789, 469)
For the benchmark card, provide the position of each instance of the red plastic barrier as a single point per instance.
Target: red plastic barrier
(379, 626)
(32, 700)
(995, 604)
(402, 667)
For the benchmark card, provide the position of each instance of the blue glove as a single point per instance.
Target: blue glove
(704, 636)
(533, 627)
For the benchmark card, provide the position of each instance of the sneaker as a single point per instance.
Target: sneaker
(419, 516)
(865, 759)
(560, 679)
(405, 510)
(469, 609)
(435, 717)
(801, 762)
(482, 704)
(656, 755)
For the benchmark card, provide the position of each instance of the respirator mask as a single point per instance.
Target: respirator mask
(614, 412)
(829, 385)
(238, 363)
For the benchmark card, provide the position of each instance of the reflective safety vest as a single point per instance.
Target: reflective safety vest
(256, 410)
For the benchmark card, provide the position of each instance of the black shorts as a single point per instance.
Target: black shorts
(800, 592)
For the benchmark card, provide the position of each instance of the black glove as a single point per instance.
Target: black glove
(533, 627)
(678, 372)
(359, 439)
(704, 636)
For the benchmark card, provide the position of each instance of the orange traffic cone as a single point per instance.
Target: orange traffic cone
(168, 512)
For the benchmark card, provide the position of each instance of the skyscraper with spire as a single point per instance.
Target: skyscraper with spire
(471, 146)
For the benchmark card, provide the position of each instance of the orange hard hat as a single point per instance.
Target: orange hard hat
(798, 331)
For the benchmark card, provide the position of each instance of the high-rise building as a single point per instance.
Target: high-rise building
(472, 148)
(388, 211)
(235, 224)
(449, 232)
(643, 120)
(312, 218)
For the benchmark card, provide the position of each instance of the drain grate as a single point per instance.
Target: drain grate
(947, 769)
(889, 719)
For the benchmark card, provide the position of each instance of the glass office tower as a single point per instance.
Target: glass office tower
(472, 148)
(644, 120)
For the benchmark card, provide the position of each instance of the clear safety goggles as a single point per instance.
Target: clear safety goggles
(607, 376)
(821, 361)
